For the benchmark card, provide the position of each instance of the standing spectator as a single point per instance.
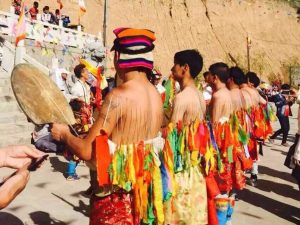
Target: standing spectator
(34, 11)
(82, 111)
(282, 101)
(17, 5)
(207, 90)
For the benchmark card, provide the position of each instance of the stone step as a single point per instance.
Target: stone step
(9, 106)
(6, 91)
(15, 139)
(13, 117)
(4, 74)
(11, 128)
(5, 82)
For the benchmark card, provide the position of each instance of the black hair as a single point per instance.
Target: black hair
(237, 75)
(75, 105)
(220, 69)
(78, 70)
(36, 4)
(193, 58)
(57, 11)
(205, 74)
(285, 87)
(46, 8)
(253, 78)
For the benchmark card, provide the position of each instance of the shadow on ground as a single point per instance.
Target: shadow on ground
(280, 209)
(43, 218)
(275, 173)
(281, 189)
(82, 207)
(7, 218)
(58, 165)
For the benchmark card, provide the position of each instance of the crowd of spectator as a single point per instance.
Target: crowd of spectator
(46, 14)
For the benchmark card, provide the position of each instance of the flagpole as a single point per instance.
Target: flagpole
(105, 22)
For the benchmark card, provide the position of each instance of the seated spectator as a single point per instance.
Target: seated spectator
(47, 16)
(34, 11)
(57, 16)
(42, 140)
(17, 5)
(66, 20)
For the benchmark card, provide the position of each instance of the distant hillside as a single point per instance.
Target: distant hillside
(218, 28)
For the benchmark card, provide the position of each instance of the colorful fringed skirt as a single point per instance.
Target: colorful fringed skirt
(189, 206)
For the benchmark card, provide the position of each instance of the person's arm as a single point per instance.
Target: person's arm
(16, 157)
(12, 187)
(262, 100)
(108, 116)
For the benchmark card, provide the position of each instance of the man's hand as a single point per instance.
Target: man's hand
(12, 187)
(297, 162)
(17, 156)
(59, 131)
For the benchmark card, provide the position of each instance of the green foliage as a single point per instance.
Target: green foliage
(293, 3)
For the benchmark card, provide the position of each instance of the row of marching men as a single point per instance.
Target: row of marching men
(188, 172)
(207, 147)
(221, 144)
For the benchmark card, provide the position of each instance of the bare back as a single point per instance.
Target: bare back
(221, 106)
(247, 97)
(255, 97)
(237, 99)
(133, 112)
(189, 105)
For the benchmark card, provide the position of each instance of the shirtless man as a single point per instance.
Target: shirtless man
(131, 113)
(221, 103)
(246, 91)
(236, 77)
(189, 104)
(188, 107)
(220, 112)
(253, 82)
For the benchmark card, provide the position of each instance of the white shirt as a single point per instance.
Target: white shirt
(207, 93)
(161, 89)
(81, 90)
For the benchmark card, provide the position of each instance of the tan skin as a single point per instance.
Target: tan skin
(246, 95)
(256, 95)
(189, 103)
(221, 103)
(236, 96)
(115, 112)
(16, 157)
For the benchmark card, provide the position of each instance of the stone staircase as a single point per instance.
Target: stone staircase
(14, 128)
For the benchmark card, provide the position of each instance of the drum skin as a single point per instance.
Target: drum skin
(39, 97)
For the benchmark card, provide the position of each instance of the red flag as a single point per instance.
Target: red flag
(60, 4)
(20, 28)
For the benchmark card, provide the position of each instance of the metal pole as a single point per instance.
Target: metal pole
(248, 52)
(105, 20)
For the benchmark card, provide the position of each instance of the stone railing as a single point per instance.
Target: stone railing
(43, 32)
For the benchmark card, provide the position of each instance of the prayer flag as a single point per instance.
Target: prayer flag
(20, 28)
(82, 8)
(60, 4)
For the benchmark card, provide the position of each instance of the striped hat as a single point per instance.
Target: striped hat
(135, 47)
